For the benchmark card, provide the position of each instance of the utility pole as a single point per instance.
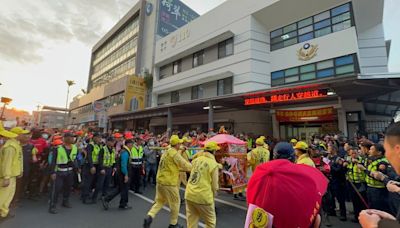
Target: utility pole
(69, 83)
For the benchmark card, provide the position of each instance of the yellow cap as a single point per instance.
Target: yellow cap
(293, 140)
(174, 140)
(19, 131)
(260, 141)
(5, 133)
(187, 139)
(301, 146)
(322, 145)
(211, 146)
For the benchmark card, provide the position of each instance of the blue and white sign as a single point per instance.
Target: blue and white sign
(173, 14)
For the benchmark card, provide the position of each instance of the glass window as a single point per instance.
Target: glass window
(291, 71)
(305, 22)
(276, 46)
(307, 68)
(176, 67)
(225, 48)
(306, 37)
(307, 76)
(305, 30)
(198, 58)
(325, 64)
(340, 18)
(276, 33)
(290, 42)
(344, 60)
(277, 39)
(292, 79)
(341, 26)
(289, 35)
(340, 9)
(276, 82)
(228, 86)
(325, 73)
(322, 24)
(345, 69)
(174, 96)
(322, 32)
(278, 74)
(197, 92)
(290, 28)
(321, 16)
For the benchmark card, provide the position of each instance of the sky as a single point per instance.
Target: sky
(43, 43)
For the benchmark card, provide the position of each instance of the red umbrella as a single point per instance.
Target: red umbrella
(224, 138)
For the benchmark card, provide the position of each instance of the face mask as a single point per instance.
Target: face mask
(45, 136)
(1, 141)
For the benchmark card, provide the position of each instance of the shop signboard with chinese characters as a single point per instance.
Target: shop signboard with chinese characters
(310, 115)
(287, 97)
(173, 14)
(135, 94)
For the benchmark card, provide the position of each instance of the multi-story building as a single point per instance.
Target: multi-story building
(49, 119)
(123, 57)
(284, 68)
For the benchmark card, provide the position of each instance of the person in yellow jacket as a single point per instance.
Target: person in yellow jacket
(10, 168)
(302, 156)
(167, 188)
(183, 151)
(202, 188)
(258, 155)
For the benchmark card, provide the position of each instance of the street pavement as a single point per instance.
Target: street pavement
(33, 214)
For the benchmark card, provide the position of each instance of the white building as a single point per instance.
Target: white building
(250, 65)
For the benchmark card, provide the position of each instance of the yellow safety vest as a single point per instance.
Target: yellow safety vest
(95, 153)
(108, 157)
(168, 170)
(137, 155)
(62, 157)
(199, 187)
(354, 174)
(14, 159)
(371, 182)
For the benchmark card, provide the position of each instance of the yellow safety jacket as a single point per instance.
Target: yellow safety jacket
(62, 159)
(354, 174)
(171, 163)
(257, 156)
(200, 185)
(108, 157)
(95, 153)
(371, 182)
(137, 156)
(11, 164)
(306, 160)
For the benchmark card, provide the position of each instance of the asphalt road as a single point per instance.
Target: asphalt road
(33, 214)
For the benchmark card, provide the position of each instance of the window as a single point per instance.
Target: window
(225, 48)
(177, 67)
(197, 92)
(198, 58)
(224, 86)
(174, 96)
(333, 20)
(163, 72)
(344, 65)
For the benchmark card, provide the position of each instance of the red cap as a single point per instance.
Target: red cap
(128, 135)
(57, 142)
(118, 135)
(291, 193)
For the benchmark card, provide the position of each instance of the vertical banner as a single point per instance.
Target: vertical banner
(135, 94)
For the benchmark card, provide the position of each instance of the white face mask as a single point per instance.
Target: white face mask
(1, 142)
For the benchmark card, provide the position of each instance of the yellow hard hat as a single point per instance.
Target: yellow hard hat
(187, 139)
(5, 133)
(301, 145)
(293, 140)
(174, 140)
(19, 131)
(260, 141)
(211, 146)
(262, 137)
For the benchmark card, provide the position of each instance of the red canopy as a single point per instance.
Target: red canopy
(224, 138)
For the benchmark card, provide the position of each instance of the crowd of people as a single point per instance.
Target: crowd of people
(327, 170)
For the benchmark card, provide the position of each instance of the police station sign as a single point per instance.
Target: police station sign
(287, 97)
(173, 14)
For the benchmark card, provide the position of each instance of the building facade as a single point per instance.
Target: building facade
(283, 68)
(124, 56)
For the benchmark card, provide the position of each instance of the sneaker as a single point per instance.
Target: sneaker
(126, 207)
(106, 204)
(53, 211)
(66, 204)
(175, 226)
(147, 222)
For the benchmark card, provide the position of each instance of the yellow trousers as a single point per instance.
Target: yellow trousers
(195, 212)
(6, 196)
(167, 195)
